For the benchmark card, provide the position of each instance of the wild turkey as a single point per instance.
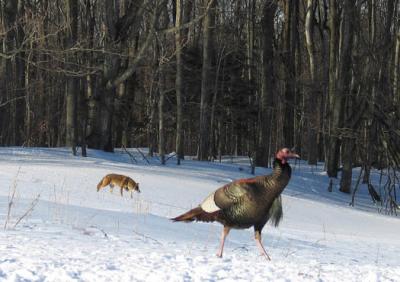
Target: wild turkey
(246, 202)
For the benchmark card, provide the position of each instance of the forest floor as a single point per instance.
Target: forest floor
(69, 232)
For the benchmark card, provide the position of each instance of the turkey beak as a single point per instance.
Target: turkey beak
(294, 156)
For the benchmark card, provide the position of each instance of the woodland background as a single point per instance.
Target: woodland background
(207, 78)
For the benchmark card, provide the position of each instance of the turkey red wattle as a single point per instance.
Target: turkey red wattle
(285, 154)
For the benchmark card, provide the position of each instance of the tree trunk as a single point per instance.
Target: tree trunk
(161, 129)
(384, 74)
(213, 115)
(344, 87)
(152, 109)
(313, 94)
(179, 83)
(396, 68)
(371, 78)
(20, 62)
(289, 46)
(347, 170)
(267, 84)
(206, 80)
(71, 88)
(13, 69)
(162, 85)
(333, 146)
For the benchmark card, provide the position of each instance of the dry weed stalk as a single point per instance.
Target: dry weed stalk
(11, 197)
(28, 211)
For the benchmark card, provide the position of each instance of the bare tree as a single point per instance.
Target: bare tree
(291, 11)
(206, 79)
(314, 93)
(72, 83)
(344, 81)
(179, 82)
(335, 101)
(267, 84)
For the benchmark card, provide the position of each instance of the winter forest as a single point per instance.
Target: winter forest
(207, 78)
(214, 121)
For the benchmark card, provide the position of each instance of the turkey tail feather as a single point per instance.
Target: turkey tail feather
(275, 213)
(196, 214)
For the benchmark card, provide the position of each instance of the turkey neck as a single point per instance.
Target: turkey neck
(279, 178)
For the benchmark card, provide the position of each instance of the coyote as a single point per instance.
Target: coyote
(124, 182)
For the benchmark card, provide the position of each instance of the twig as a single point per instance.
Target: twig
(241, 248)
(356, 187)
(146, 237)
(144, 157)
(130, 155)
(101, 230)
(252, 165)
(28, 211)
(11, 200)
(2, 104)
(330, 186)
(173, 155)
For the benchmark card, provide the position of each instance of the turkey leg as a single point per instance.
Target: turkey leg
(260, 245)
(225, 233)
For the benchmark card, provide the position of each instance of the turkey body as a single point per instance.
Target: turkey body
(248, 202)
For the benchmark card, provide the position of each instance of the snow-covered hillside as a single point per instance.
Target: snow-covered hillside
(75, 233)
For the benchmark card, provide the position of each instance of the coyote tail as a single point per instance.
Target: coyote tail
(100, 185)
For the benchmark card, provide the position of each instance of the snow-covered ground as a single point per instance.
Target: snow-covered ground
(75, 233)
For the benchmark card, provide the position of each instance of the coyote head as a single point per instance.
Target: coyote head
(132, 185)
(136, 188)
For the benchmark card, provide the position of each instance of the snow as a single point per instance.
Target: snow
(77, 234)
